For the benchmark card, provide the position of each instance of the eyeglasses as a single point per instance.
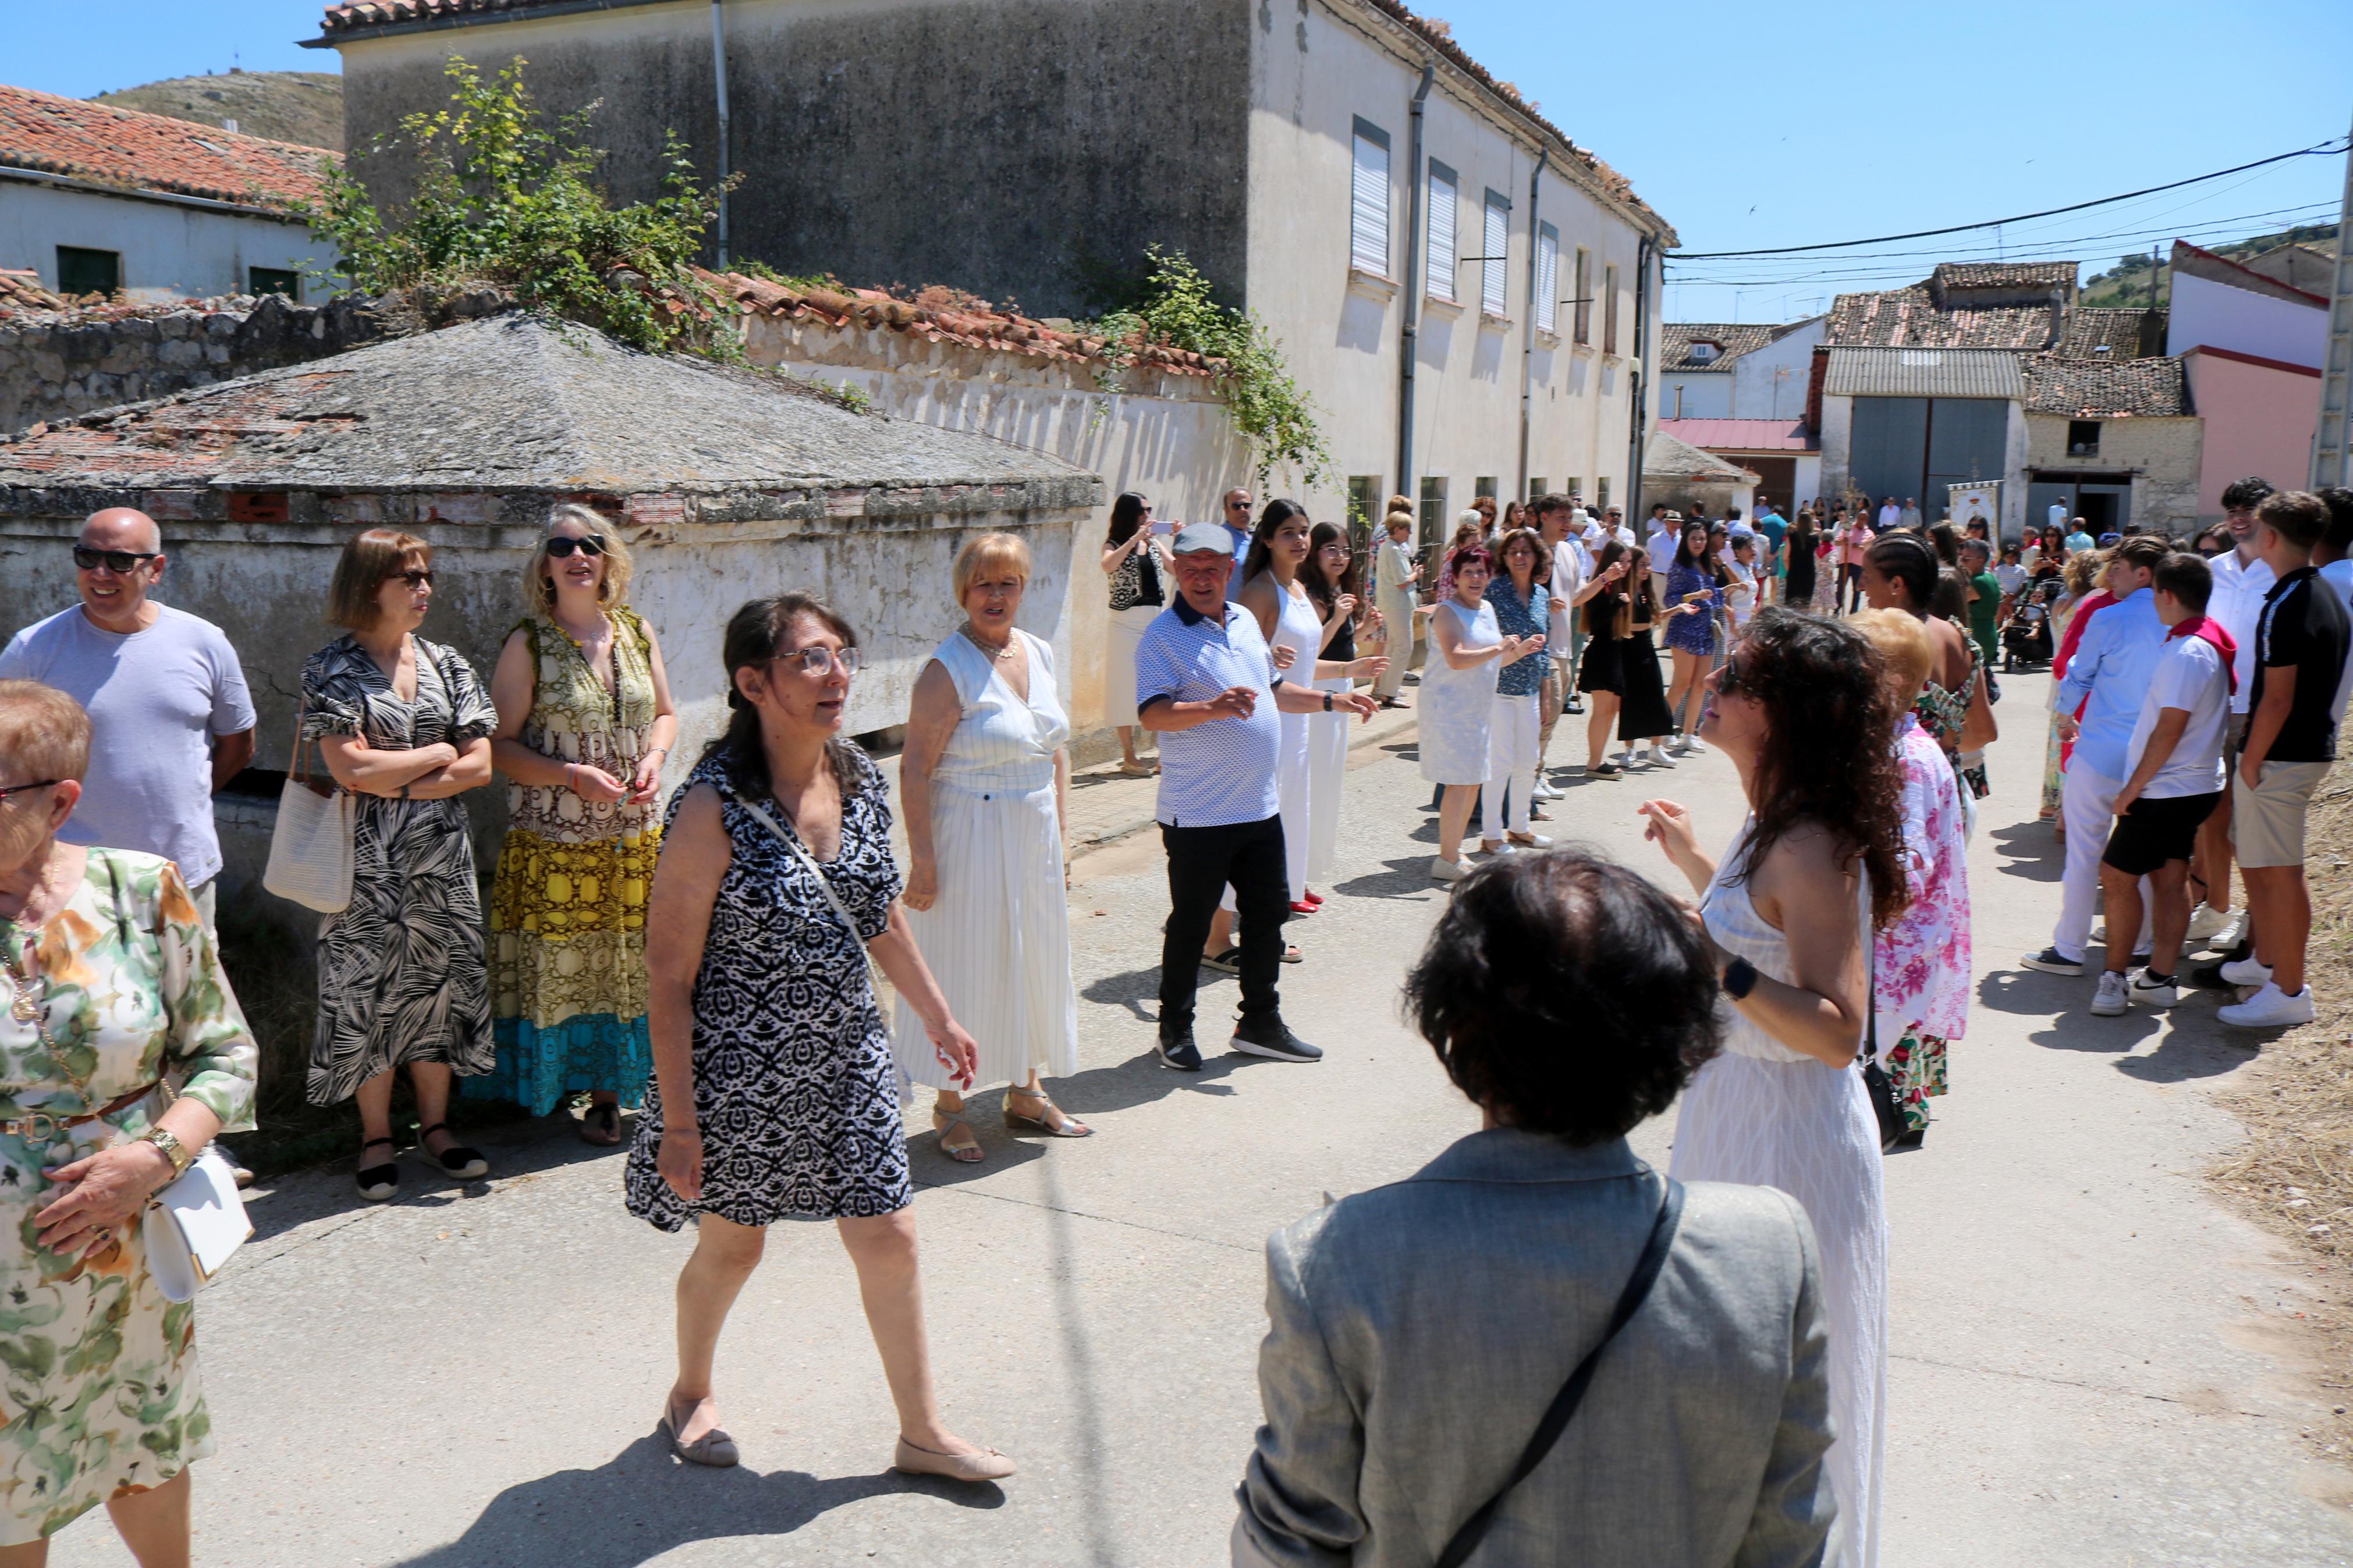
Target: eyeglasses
(817, 659)
(562, 545)
(121, 562)
(14, 790)
(1727, 677)
(415, 577)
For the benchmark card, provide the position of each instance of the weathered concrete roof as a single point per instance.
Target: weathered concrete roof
(1924, 373)
(517, 404)
(1665, 458)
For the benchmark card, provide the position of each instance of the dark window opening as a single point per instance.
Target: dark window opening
(1434, 511)
(274, 281)
(2083, 437)
(253, 506)
(82, 272)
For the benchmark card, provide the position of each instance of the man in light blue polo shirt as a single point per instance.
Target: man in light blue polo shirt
(1206, 685)
(2110, 674)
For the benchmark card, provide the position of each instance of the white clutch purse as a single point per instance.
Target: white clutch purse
(193, 1225)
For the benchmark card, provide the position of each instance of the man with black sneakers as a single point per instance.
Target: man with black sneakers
(1206, 686)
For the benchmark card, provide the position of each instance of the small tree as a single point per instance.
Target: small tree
(505, 196)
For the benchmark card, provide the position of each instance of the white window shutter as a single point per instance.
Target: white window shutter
(1442, 254)
(1497, 245)
(1547, 279)
(1368, 245)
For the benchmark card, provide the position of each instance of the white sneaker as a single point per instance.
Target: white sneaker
(1534, 841)
(1680, 744)
(2146, 993)
(1657, 757)
(1441, 870)
(2206, 923)
(1693, 743)
(2270, 1008)
(2247, 972)
(2109, 1001)
(1543, 791)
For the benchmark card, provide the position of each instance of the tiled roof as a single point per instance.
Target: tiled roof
(1675, 339)
(1668, 457)
(2005, 275)
(941, 315)
(1741, 434)
(2085, 389)
(2084, 329)
(22, 291)
(1908, 318)
(148, 152)
(367, 14)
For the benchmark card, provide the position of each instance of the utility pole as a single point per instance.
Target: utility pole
(2152, 277)
(2332, 441)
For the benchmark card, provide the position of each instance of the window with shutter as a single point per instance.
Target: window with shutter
(1548, 302)
(1496, 244)
(1442, 254)
(1583, 313)
(1369, 232)
(1609, 310)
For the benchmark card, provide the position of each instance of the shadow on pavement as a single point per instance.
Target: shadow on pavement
(2198, 1044)
(642, 1503)
(1406, 879)
(2033, 851)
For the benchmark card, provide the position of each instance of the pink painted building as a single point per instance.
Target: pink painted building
(2252, 347)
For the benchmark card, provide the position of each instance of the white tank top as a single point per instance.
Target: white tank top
(1732, 918)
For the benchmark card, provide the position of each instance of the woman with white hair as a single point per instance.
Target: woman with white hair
(987, 776)
(584, 725)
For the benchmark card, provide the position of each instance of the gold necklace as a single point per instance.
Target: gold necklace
(972, 635)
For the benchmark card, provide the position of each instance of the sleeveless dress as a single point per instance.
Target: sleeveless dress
(999, 937)
(1762, 1114)
(1457, 705)
(569, 905)
(794, 1085)
(1296, 627)
(1327, 759)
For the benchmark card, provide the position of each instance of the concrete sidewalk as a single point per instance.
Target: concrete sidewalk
(2092, 1364)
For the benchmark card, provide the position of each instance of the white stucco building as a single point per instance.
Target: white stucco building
(95, 199)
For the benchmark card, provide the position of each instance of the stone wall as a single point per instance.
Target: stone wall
(2162, 454)
(57, 364)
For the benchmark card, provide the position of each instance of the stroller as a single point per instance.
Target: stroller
(2026, 639)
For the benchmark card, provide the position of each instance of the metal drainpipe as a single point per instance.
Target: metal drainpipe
(719, 75)
(1528, 345)
(1413, 247)
(1642, 358)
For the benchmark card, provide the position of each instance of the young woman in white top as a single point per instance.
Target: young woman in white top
(1329, 575)
(984, 782)
(1802, 711)
(1458, 688)
(1135, 558)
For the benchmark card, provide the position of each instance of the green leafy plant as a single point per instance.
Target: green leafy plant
(506, 196)
(1172, 306)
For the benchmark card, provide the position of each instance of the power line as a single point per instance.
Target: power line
(2325, 149)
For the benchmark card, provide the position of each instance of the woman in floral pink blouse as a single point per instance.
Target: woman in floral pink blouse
(1921, 995)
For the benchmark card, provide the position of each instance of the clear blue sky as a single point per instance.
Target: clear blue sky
(1748, 125)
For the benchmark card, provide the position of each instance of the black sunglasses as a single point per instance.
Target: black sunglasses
(116, 561)
(415, 577)
(22, 789)
(1727, 676)
(562, 545)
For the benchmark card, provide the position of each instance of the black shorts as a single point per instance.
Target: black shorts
(2155, 831)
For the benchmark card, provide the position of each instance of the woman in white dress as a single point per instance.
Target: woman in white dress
(1468, 651)
(1801, 711)
(985, 777)
(1137, 560)
(1330, 579)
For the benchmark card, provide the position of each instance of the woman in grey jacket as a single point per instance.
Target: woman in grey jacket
(1421, 1330)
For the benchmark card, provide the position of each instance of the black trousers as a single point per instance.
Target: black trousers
(1201, 861)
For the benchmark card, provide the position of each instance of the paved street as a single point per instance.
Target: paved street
(2094, 1364)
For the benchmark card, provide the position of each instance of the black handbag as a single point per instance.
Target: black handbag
(1572, 1393)
(1885, 1103)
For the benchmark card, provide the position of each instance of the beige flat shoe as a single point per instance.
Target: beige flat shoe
(714, 1447)
(989, 1465)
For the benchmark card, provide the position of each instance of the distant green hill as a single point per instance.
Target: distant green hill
(285, 106)
(2127, 283)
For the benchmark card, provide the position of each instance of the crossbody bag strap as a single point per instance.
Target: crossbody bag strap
(1572, 1393)
(800, 852)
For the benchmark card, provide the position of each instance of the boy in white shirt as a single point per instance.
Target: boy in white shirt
(1740, 599)
(2176, 776)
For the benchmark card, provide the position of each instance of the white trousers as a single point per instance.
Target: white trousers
(1511, 765)
(1327, 763)
(2089, 804)
(1291, 782)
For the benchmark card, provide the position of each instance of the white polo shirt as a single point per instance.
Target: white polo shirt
(1221, 773)
(2189, 676)
(2237, 601)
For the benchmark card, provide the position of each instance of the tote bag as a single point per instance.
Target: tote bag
(311, 849)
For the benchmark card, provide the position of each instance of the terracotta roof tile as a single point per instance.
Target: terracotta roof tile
(2005, 275)
(1734, 339)
(2086, 389)
(125, 148)
(2086, 329)
(1908, 318)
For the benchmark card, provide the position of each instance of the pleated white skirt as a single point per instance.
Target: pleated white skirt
(1808, 1130)
(998, 939)
(1119, 671)
(1327, 764)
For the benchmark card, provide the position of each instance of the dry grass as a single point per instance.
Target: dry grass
(2294, 1175)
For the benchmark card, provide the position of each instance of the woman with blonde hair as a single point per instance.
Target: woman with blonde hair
(985, 777)
(584, 725)
(1394, 575)
(404, 727)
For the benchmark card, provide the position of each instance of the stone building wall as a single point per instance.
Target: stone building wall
(2163, 455)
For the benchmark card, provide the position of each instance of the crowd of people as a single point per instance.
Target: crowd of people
(711, 963)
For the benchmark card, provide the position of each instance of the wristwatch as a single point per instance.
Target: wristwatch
(1739, 979)
(179, 1153)
(1327, 703)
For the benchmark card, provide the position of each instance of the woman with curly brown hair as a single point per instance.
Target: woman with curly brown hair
(1802, 713)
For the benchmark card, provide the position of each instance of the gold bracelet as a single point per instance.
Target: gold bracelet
(179, 1153)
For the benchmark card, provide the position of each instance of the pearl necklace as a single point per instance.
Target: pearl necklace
(974, 637)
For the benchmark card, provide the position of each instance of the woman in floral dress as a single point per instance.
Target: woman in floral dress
(112, 988)
(584, 725)
(404, 725)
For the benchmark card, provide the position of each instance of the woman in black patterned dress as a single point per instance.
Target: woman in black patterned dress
(775, 1093)
(404, 725)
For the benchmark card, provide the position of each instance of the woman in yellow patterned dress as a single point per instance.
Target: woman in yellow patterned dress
(584, 725)
(111, 986)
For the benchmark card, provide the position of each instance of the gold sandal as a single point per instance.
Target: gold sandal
(1071, 1127)
(944, 1125)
